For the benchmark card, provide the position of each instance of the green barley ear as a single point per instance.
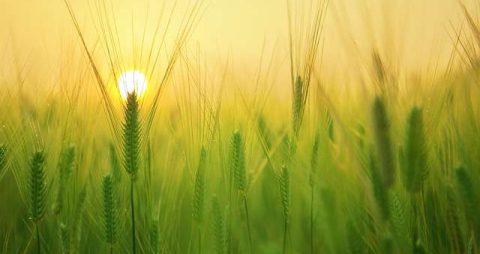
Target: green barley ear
(238, 161)
(155, 236)
(468, 195)
(65, 167)
(218, 227)
(453, 223)
(284, 179)
(418, 248)
(414, 157)
(330, 127)
(379, 190)
(314, 159)
(110, 219)
(131, 136)
(383, 142)
(3, 157)
(297, 104)
(399, 222)
(64, 238)
(285, 192)
(199, 192)
(289, 148)
(37, 186)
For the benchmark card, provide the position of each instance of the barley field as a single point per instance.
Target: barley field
(240, 126)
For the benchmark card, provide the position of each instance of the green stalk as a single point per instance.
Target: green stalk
(312, 222)
(38, 239)
(131, 147)
(313, 169)
(250, 242)
(285, 196)
(132, 206)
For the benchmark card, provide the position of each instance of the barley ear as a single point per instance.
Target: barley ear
(131, 136)
(37, 186)
(155, 236)
(64, 238)
(379, 190)
(237, 162)
(285, 192)
(383, 142)
(65, 167)
(468, 196)
(297, 104)
(110, 212)
(414, 170)
(199, 191)
(314, 159)
(3, 157)
(218, 227)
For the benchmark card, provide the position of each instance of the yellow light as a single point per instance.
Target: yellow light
(132, 81)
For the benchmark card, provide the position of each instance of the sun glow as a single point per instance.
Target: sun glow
(132, 81)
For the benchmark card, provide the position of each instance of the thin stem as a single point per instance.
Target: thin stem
(132, 206)
(285, 236)
(38, 238)
(111, 248)
(312, 245)
(250, 242)
(199, 239)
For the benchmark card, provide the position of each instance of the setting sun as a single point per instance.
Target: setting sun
(132, 81)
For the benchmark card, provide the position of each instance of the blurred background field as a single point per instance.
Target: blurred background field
(267, 126)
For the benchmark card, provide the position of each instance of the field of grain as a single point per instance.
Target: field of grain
(209, 126)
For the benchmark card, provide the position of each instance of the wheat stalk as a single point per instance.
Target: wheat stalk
(131, 150)
(285, 196)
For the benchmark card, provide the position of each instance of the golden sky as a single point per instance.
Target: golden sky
(413, 32)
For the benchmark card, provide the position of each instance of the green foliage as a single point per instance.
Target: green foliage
(37, 186)
(319, 180)
(355, 241)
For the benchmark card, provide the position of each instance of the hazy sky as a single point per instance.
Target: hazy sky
(38, 32)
